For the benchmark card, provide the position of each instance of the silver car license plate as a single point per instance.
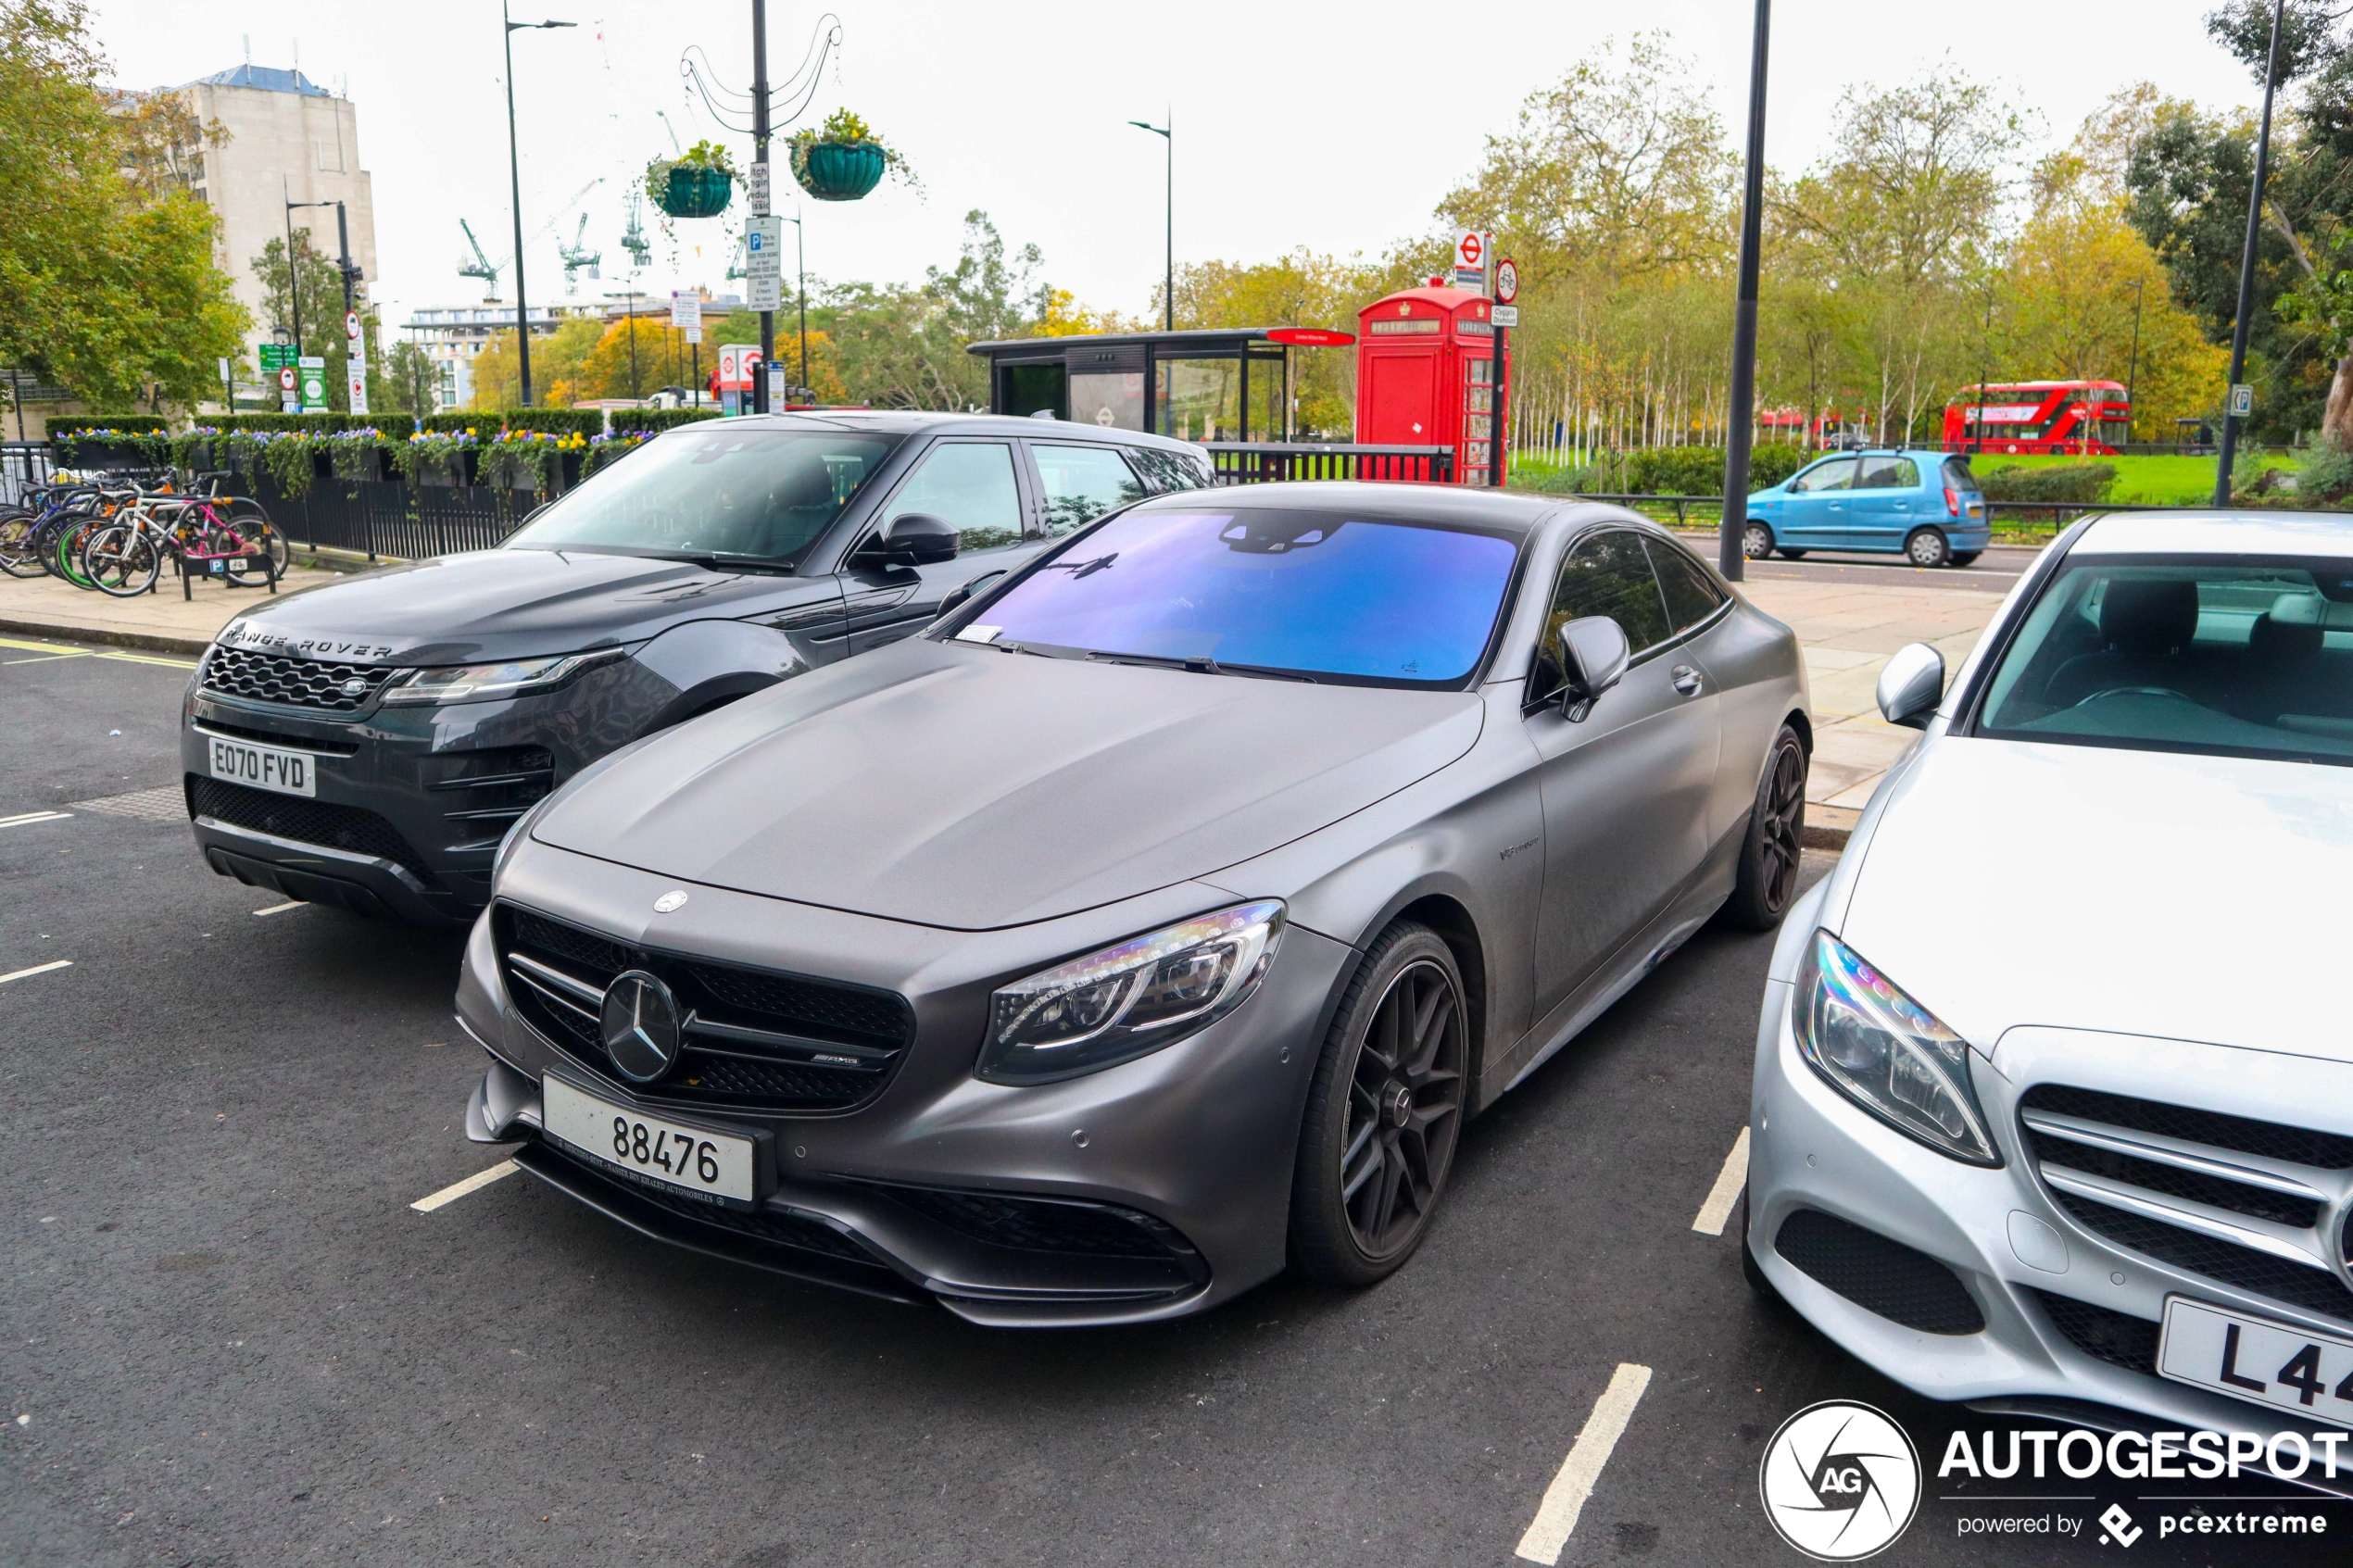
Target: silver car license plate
(264, 766)
(695, 1159)
(2266, 1364)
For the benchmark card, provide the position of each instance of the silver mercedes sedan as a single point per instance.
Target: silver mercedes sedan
(2054, 1090)
(1155, 920)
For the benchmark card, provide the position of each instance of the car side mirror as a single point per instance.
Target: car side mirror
(1594, 655)
(1911, 685)
(964, 595)
(911, 539)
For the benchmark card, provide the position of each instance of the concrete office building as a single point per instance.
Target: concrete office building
(289, 140)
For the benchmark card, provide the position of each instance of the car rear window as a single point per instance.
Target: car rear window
(2224, 655)
(1319, 594)
(1957, 475)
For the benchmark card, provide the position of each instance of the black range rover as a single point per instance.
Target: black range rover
(370, 743)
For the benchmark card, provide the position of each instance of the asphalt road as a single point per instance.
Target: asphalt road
(230, 1339)
(1992, 572)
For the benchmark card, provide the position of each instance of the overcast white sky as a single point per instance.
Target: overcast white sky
(1335, 126)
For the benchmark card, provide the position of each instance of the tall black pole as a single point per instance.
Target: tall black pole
(1744, 389)
(293, 281)
(2133, 369)
(800, 290)
(1496, 473)
(515, 186)
(2229, 454)
(759, 155)
(1169, 232)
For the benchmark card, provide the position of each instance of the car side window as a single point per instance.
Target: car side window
(1607, 573)
(1836, 474)
(1692, 594)
(1171, 471)
(970, 486)
(1889, 473)
(1082, 483)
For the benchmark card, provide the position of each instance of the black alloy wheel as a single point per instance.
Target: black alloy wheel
(1756, 541)
(1767, 880)
(1385, 1112)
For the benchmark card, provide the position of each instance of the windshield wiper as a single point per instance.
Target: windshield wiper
(725, 560)
(1200, 664)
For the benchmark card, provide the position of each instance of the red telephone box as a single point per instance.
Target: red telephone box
(1426, 376)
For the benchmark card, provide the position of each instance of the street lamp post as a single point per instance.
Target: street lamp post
(1731, 536)
(801, 287)
(2229, 453)
(514, 177)
(759, 155)
(1168, 134)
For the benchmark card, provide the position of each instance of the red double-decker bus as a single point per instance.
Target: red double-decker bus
(2086, 417)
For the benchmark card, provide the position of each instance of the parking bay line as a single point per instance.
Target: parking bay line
(1564, 1498)
(282, 909)
(1727, 1190)
(36, 969)
(474, 1183)
(26, 818)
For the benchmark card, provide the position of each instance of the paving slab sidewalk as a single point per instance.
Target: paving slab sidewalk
(1846, 628)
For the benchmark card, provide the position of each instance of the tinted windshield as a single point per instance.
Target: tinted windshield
(2227, 656)
(1323, 595)
(726, 490)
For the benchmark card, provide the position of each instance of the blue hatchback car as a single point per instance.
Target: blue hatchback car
(1924, 505)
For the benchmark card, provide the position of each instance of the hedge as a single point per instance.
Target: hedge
(655, 421)
(2083, 483)
(312, 424)
(57, 425)
(486, 423)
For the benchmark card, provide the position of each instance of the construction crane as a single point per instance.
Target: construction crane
(577, 256)
(633, 241)
(479, 267)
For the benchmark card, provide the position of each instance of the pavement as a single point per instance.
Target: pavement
(161, 620)
(232, 1332)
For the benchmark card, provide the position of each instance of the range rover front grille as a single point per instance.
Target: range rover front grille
(2243, 1203)
(296, 683)
(754, 1040)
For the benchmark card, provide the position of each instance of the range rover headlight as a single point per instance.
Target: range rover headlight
(1129, 999)
(481, 683)
(1886, 1052)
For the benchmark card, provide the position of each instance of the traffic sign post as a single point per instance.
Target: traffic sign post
(1506, 281)
(763, 262)
(1473, 253)
(288, 402)
(310, 371)
(2241, 400)
(355, 363)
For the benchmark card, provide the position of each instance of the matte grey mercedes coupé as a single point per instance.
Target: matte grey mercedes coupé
(1156, 919)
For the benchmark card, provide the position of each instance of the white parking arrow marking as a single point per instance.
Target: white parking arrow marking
(1727, 1190)
(1564, 1500)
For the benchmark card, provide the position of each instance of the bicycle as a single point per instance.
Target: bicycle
(125, 557)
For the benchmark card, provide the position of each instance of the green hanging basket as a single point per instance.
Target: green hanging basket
(839, 171)
(692, 191)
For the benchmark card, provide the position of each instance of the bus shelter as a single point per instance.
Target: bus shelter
(1218, 384)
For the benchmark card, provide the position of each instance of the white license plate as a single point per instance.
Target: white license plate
(264, 766)
(2267, 1363)
(693, 1159)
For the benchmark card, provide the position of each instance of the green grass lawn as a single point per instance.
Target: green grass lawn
(2143, 480)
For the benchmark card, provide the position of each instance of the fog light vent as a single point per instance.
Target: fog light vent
(1880, 1275)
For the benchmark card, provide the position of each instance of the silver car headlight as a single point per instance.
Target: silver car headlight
(481, 682)
(1886, 1052)
(1129, 999)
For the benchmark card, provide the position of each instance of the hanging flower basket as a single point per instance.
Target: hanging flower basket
(845, 159)
(697, 185)
(839, 171)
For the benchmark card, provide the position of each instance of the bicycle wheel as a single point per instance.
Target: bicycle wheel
(122, 560)
(20, 556)
(252, 525)
(71, 540)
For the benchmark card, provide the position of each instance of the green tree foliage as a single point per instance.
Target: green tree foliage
(107, 285)
(903, 345)
(315, 284)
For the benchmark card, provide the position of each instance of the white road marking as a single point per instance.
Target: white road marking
(36, 969)
(280, 908)
(1564, 1500)
(474, 1183)
(26, 818)
(1727, 1190)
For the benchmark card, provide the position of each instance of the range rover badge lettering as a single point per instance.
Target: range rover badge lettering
(640, 1025)
(674, 898)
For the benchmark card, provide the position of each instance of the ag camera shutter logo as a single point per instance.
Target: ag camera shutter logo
(1840, 1481)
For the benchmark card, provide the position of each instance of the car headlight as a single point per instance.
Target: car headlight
(1130, 998)
(1886, 1052)
(481, 683)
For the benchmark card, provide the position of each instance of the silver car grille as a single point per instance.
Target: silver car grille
(2257, 1206)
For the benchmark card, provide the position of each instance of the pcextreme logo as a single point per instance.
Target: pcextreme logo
(1841, 1481)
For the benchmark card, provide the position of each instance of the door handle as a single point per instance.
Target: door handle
(1686, 680)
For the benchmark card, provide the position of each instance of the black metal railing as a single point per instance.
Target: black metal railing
(379, 518)
(1272, 462)
(23, 465)
(1691, 510)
